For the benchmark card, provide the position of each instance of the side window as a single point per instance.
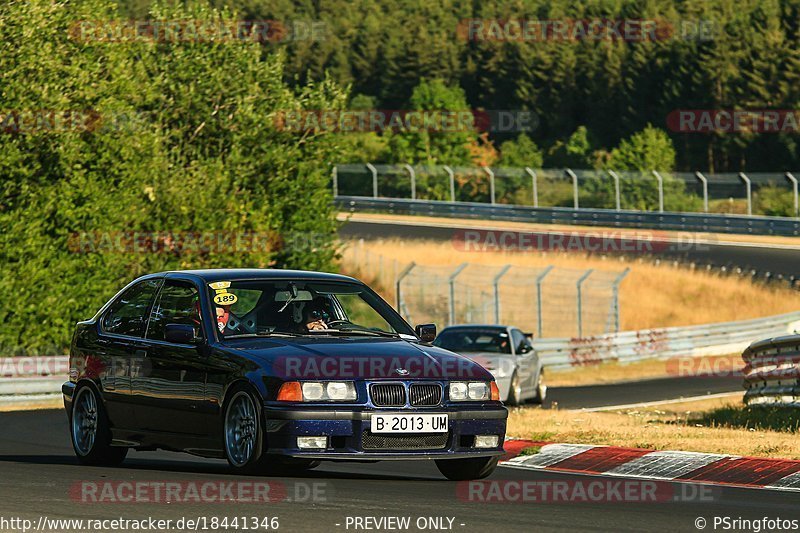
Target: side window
(128, 314)
(178, 303)
(519, 340)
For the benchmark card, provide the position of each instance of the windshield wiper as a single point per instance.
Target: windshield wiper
(349, 331)
(263, 334)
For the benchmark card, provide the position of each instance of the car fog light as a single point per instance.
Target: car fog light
(317, 443)
(486, 441)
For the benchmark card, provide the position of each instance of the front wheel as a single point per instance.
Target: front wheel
(91, 431)
(514, 390)
(541, 389)
(242, 433)
(467, 469)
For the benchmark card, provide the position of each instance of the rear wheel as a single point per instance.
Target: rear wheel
(91, 431)
(467, 469)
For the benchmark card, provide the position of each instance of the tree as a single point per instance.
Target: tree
(649, 149)
(521, 152)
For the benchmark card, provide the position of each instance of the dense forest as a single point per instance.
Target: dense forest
(713, 54)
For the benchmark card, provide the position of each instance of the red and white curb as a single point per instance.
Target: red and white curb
(691, 467)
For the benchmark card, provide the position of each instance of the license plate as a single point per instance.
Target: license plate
(427, 423)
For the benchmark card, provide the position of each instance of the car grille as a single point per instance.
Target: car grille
(388, 394)
(372, 441)
(422, 394)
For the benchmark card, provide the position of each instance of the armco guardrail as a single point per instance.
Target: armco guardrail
(702, 222)
(772, 372)
(30, 379)
(691, 341)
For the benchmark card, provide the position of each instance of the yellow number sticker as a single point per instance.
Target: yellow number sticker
(226, 298)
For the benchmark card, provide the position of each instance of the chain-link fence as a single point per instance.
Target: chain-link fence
(548, 301)
(774, 194)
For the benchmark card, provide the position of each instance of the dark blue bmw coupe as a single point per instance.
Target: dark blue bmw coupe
(274, 369)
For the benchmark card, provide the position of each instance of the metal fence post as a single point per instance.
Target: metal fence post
(452, 183)
(495, 283)
(615, 291)
(574, 177)
(405, 272)
(660, 191)
(374, 179)
(704, 181)
(534, 186)
(491, 182)
(335, 181)
(413, 176)
(452, 281)
(539, 280)
(790, 177)
(580, 301)
(749, 188)
(616, 187)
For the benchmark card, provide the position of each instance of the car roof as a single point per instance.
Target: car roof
(233, 274)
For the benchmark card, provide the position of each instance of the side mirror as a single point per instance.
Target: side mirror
(524, 348)
(426, 332)
(180, 334)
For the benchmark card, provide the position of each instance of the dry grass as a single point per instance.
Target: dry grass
(651, 296)
(683, 426)
(614, 372)
(56, 403)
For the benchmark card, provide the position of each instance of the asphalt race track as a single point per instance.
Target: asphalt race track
(38, 473)
(632, 392)
(774, 259)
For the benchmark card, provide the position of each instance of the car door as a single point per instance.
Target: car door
(168, 385)
(526, 361)
(120, 328)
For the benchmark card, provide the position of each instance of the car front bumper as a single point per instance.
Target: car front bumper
(350, 438)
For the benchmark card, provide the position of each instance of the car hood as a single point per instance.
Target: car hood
(356, 357)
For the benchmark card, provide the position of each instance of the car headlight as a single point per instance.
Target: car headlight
(317, 391)
(464, 391)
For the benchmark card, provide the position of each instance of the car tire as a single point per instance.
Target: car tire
(541, 389)
(467, 469)
(90, 430)
(514, 390)
(242, 434)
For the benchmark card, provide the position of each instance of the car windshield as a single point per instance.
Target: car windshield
(300, 307)
(464, 340)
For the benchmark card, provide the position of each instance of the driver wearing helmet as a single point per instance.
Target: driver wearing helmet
(316, 315)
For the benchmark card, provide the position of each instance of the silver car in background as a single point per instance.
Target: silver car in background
(506, 352)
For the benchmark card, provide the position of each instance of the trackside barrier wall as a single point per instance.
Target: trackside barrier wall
(691, 341)
(772, 371)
